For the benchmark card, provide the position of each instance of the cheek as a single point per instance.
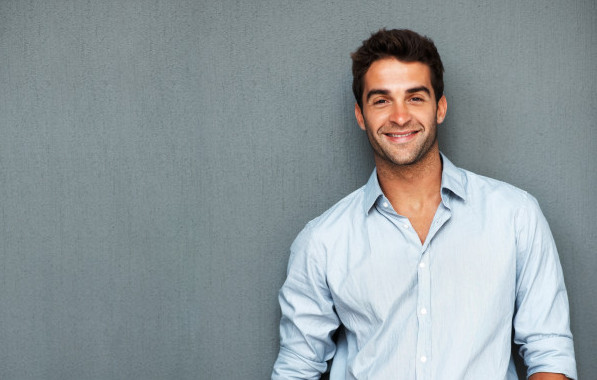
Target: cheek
(376, 118)
(428, 117)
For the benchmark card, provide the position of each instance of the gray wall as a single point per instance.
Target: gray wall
(157, 158)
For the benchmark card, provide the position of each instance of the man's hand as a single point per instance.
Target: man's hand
(547, 376)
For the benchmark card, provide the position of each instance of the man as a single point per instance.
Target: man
(428, 271)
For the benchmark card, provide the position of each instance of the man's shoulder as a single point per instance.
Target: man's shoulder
(345, 209)
(480, 190)
(487, 189)
(339, 219)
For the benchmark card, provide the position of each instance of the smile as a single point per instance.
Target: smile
(400, 134)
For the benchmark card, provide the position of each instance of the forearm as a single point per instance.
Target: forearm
(547, 376)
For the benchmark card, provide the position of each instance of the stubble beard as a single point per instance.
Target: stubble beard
(414, 153)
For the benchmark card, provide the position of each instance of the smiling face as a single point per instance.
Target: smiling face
(400, 113)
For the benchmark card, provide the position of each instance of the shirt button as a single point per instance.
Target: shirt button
(385, 204)
(423, 311)
(422, 265)
(423, 359)
(405, 226)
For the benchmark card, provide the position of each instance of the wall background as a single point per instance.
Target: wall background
(157, 158)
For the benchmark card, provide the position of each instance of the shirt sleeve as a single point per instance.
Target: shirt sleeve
(541, 320)
(308, 317)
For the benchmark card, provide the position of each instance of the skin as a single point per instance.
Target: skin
(400, 115)
(547, 376)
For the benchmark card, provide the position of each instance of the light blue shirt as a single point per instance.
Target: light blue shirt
(488, 272)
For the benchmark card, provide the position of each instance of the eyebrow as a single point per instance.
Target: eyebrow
(418, 89)
(376, 92)
(409, 91)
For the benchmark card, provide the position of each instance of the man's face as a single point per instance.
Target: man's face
(400, 113)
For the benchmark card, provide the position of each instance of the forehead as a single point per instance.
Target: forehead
(388, 73)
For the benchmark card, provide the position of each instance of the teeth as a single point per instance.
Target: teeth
(400, 135)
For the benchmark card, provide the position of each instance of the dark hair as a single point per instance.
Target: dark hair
(402, 44)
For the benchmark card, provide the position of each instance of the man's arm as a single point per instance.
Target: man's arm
(541, 320)
(308, 317)
(547, 376)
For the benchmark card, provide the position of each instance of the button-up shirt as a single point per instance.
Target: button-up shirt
(487, 274)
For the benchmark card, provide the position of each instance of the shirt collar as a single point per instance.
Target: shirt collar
(453, 180)
(372, 192)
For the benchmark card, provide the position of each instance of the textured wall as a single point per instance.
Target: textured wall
(157, 158)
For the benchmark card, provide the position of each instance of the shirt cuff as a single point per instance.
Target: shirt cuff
(292, 366)
(553, 354)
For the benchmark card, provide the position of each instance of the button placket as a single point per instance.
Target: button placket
(423, 316)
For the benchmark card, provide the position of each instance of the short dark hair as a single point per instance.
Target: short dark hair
(402, 44)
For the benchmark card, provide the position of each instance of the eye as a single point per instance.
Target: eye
(380, 101)
(416, 99)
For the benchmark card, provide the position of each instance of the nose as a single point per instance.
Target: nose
(400, 114)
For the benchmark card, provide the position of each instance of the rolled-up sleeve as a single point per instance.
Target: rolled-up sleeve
(308, 317)
(541, 322)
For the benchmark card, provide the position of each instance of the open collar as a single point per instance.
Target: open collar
(453, 180)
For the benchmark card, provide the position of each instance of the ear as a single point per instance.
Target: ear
(442, 108)
(359, 116)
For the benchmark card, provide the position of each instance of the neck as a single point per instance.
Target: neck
(412, 185)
